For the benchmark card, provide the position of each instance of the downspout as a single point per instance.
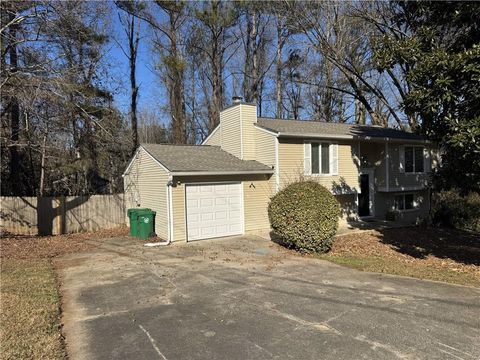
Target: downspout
(387, 164)
(277, 167)
(169, 217)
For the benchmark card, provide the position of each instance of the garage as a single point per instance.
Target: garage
(198, 191)
(213, 210)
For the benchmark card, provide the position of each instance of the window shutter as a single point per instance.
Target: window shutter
(426, 160)
(334, 159)
(307, 156)
(401, 154)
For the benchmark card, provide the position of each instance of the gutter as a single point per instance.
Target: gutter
(245, 172)
(333, 136)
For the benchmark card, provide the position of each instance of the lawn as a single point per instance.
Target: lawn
(30, 311)
(426, 253)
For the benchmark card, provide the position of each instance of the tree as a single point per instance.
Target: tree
(215, 19)
(65, 115)
(131, 26)
(440, 49)
(168, 44)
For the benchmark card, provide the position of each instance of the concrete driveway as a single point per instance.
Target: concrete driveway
(246, 298)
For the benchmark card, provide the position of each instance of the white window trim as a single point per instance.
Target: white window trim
(405, 160)
(330, 173)
(416, 205)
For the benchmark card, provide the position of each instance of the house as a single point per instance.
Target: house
(223, 186)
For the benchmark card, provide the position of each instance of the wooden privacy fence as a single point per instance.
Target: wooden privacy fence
(60, 215)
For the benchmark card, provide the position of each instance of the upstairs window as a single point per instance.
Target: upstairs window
(414, 159)
(321, 158)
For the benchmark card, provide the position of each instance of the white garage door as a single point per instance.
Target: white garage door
(214, 210)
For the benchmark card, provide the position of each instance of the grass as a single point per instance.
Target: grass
(375, 264)
(30, 311)
(445, 255)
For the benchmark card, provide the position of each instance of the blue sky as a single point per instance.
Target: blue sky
(151, 90)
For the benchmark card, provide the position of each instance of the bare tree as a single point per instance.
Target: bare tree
(168, 45)
(131, 27)
(215, 19)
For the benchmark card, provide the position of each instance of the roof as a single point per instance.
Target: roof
(304, 128)
(202, 159)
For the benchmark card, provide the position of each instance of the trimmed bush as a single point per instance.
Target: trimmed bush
(305, 215)
(452, 209)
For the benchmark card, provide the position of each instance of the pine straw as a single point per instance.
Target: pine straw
(30, 302)
(427, 253)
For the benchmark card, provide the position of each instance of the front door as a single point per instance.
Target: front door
(364, 196)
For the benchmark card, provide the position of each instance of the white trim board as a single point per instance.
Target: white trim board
(135, 157)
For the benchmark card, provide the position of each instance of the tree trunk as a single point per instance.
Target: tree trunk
(216, 105)
(14, 115)
(133, 40)
(41, 189)
(177, 103)
(250, 80)
(278, 73)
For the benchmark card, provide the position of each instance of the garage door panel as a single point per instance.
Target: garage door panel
(220, 215)
(213, 210)
(220, 201)
(207, 216)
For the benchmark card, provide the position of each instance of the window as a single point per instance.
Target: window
(320, 158)
(325, 158)
(405, 202)
(315, 158)
(414, 159)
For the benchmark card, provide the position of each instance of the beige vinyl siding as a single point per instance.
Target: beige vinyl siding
(385, 202)
(145, 186)
(400, 179)
(257, 190)
(372, 156)
(265, 147)
(249, 117)
(231, 130)
(348, 206)
(178, 205)
(216, 137)
(290, 153)
(257, 194)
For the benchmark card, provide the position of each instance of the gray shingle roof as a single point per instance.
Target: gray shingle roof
(304, 127)
(202, 158)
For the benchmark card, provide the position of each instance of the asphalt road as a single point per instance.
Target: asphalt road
(245, 298)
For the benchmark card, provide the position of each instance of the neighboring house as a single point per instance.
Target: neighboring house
(223, 186)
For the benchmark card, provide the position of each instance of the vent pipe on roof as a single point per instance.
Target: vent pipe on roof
(236, 99)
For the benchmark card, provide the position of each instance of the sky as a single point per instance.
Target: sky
(152, 95)
(151, 90)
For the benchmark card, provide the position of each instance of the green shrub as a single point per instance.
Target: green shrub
(452, 209)
(305, 215)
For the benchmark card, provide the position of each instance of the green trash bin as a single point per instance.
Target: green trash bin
(146, 224)
(133, 216)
